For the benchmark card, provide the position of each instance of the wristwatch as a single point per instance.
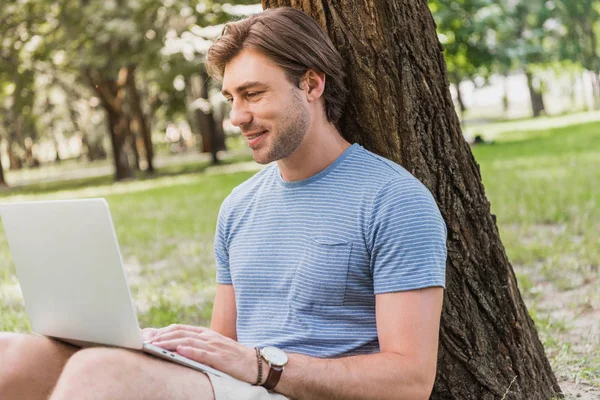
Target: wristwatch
(276, 359)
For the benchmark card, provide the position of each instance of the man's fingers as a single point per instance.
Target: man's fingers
(148, 334)
(179, 327)
(198, 355)
(172, 344)
(164, 336)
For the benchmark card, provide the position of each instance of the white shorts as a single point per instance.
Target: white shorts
(233, 389)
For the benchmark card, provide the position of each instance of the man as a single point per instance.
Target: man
(330, 262)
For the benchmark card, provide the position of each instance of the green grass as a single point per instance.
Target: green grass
(165, 228)
(544, 187)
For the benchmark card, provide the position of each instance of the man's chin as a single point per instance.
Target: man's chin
(261, 158)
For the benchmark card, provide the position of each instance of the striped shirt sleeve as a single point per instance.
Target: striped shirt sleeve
(407, 238)
(220, 246)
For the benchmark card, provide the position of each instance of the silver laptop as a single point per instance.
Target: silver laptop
(71, 273)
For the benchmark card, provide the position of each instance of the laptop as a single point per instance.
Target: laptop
(71, 273)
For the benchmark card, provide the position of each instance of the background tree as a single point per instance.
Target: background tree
(400, 107)
(527, 42)
(580, 40)
(467, 30)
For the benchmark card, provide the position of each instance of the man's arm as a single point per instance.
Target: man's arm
(224, 315)
(408, 326)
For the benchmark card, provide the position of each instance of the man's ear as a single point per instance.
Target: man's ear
(313, 84)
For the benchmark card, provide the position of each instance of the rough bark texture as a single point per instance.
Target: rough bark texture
(400, 107)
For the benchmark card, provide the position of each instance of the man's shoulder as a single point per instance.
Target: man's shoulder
(379, 165)
(376, 172)
(249, 187)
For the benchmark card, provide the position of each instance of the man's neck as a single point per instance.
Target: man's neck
(319, 149)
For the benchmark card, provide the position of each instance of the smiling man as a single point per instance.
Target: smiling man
(330, 261)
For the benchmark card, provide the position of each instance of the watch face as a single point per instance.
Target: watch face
(275, 356)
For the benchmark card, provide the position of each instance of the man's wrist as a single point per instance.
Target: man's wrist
(254, 375)
(266, 371)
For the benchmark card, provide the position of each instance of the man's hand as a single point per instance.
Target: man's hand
(207, 347)
(149, 333)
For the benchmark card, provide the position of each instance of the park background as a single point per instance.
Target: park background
(81, 81)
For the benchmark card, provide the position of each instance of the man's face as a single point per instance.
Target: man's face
(269, 110)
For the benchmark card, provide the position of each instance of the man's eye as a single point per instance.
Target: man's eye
(252, 94)
(229, 99)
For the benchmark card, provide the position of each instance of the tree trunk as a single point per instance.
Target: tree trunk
(208, 129)
(595, 77)
(218, 116)
(134, 148)
(2, 180)
(537, 101)
(14, 160)
(505, 98)
(112, 93)
(400, 107)
(142, 121)
(461, 103)
(14, 138)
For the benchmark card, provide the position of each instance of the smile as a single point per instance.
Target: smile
(255, 136)
(253, 140)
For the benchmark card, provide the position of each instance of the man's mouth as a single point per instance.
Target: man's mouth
(250, 137)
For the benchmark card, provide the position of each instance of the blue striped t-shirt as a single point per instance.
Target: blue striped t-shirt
(307, 258)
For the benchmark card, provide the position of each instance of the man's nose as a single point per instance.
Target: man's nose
(239, 115)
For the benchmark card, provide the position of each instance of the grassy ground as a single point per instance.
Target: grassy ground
(543, 186)
(165, 227)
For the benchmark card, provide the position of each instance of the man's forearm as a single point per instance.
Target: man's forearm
(375, 376)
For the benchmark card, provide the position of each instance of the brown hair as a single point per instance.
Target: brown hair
(294, 41)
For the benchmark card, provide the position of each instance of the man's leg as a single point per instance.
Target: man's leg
(115, 374)
(30, 365)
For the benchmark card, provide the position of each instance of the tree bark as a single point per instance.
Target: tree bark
(14, 160)
(211, 142)
(143, 122)
(2, 180)
(112, 93)
(400, 107)
(505, 98)
(595, 78)
(537, 100)
(134, 147)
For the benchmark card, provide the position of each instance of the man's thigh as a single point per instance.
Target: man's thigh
(123, 374)
(30, 365)
(109, 373)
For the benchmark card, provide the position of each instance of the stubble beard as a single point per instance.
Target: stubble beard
(288, 137)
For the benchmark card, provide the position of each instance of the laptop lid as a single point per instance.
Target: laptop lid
(71, 273)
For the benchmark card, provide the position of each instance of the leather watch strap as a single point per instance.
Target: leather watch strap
(273, 377)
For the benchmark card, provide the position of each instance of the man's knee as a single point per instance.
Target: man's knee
(89, 370)
(30, 364)
(99, 360)
(8, 372)
(14, 361)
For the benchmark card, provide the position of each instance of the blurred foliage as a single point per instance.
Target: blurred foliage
(50, 51)
(486, 37)
(53, 54)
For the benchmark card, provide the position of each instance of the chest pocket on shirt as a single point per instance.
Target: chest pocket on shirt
(322, 273)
